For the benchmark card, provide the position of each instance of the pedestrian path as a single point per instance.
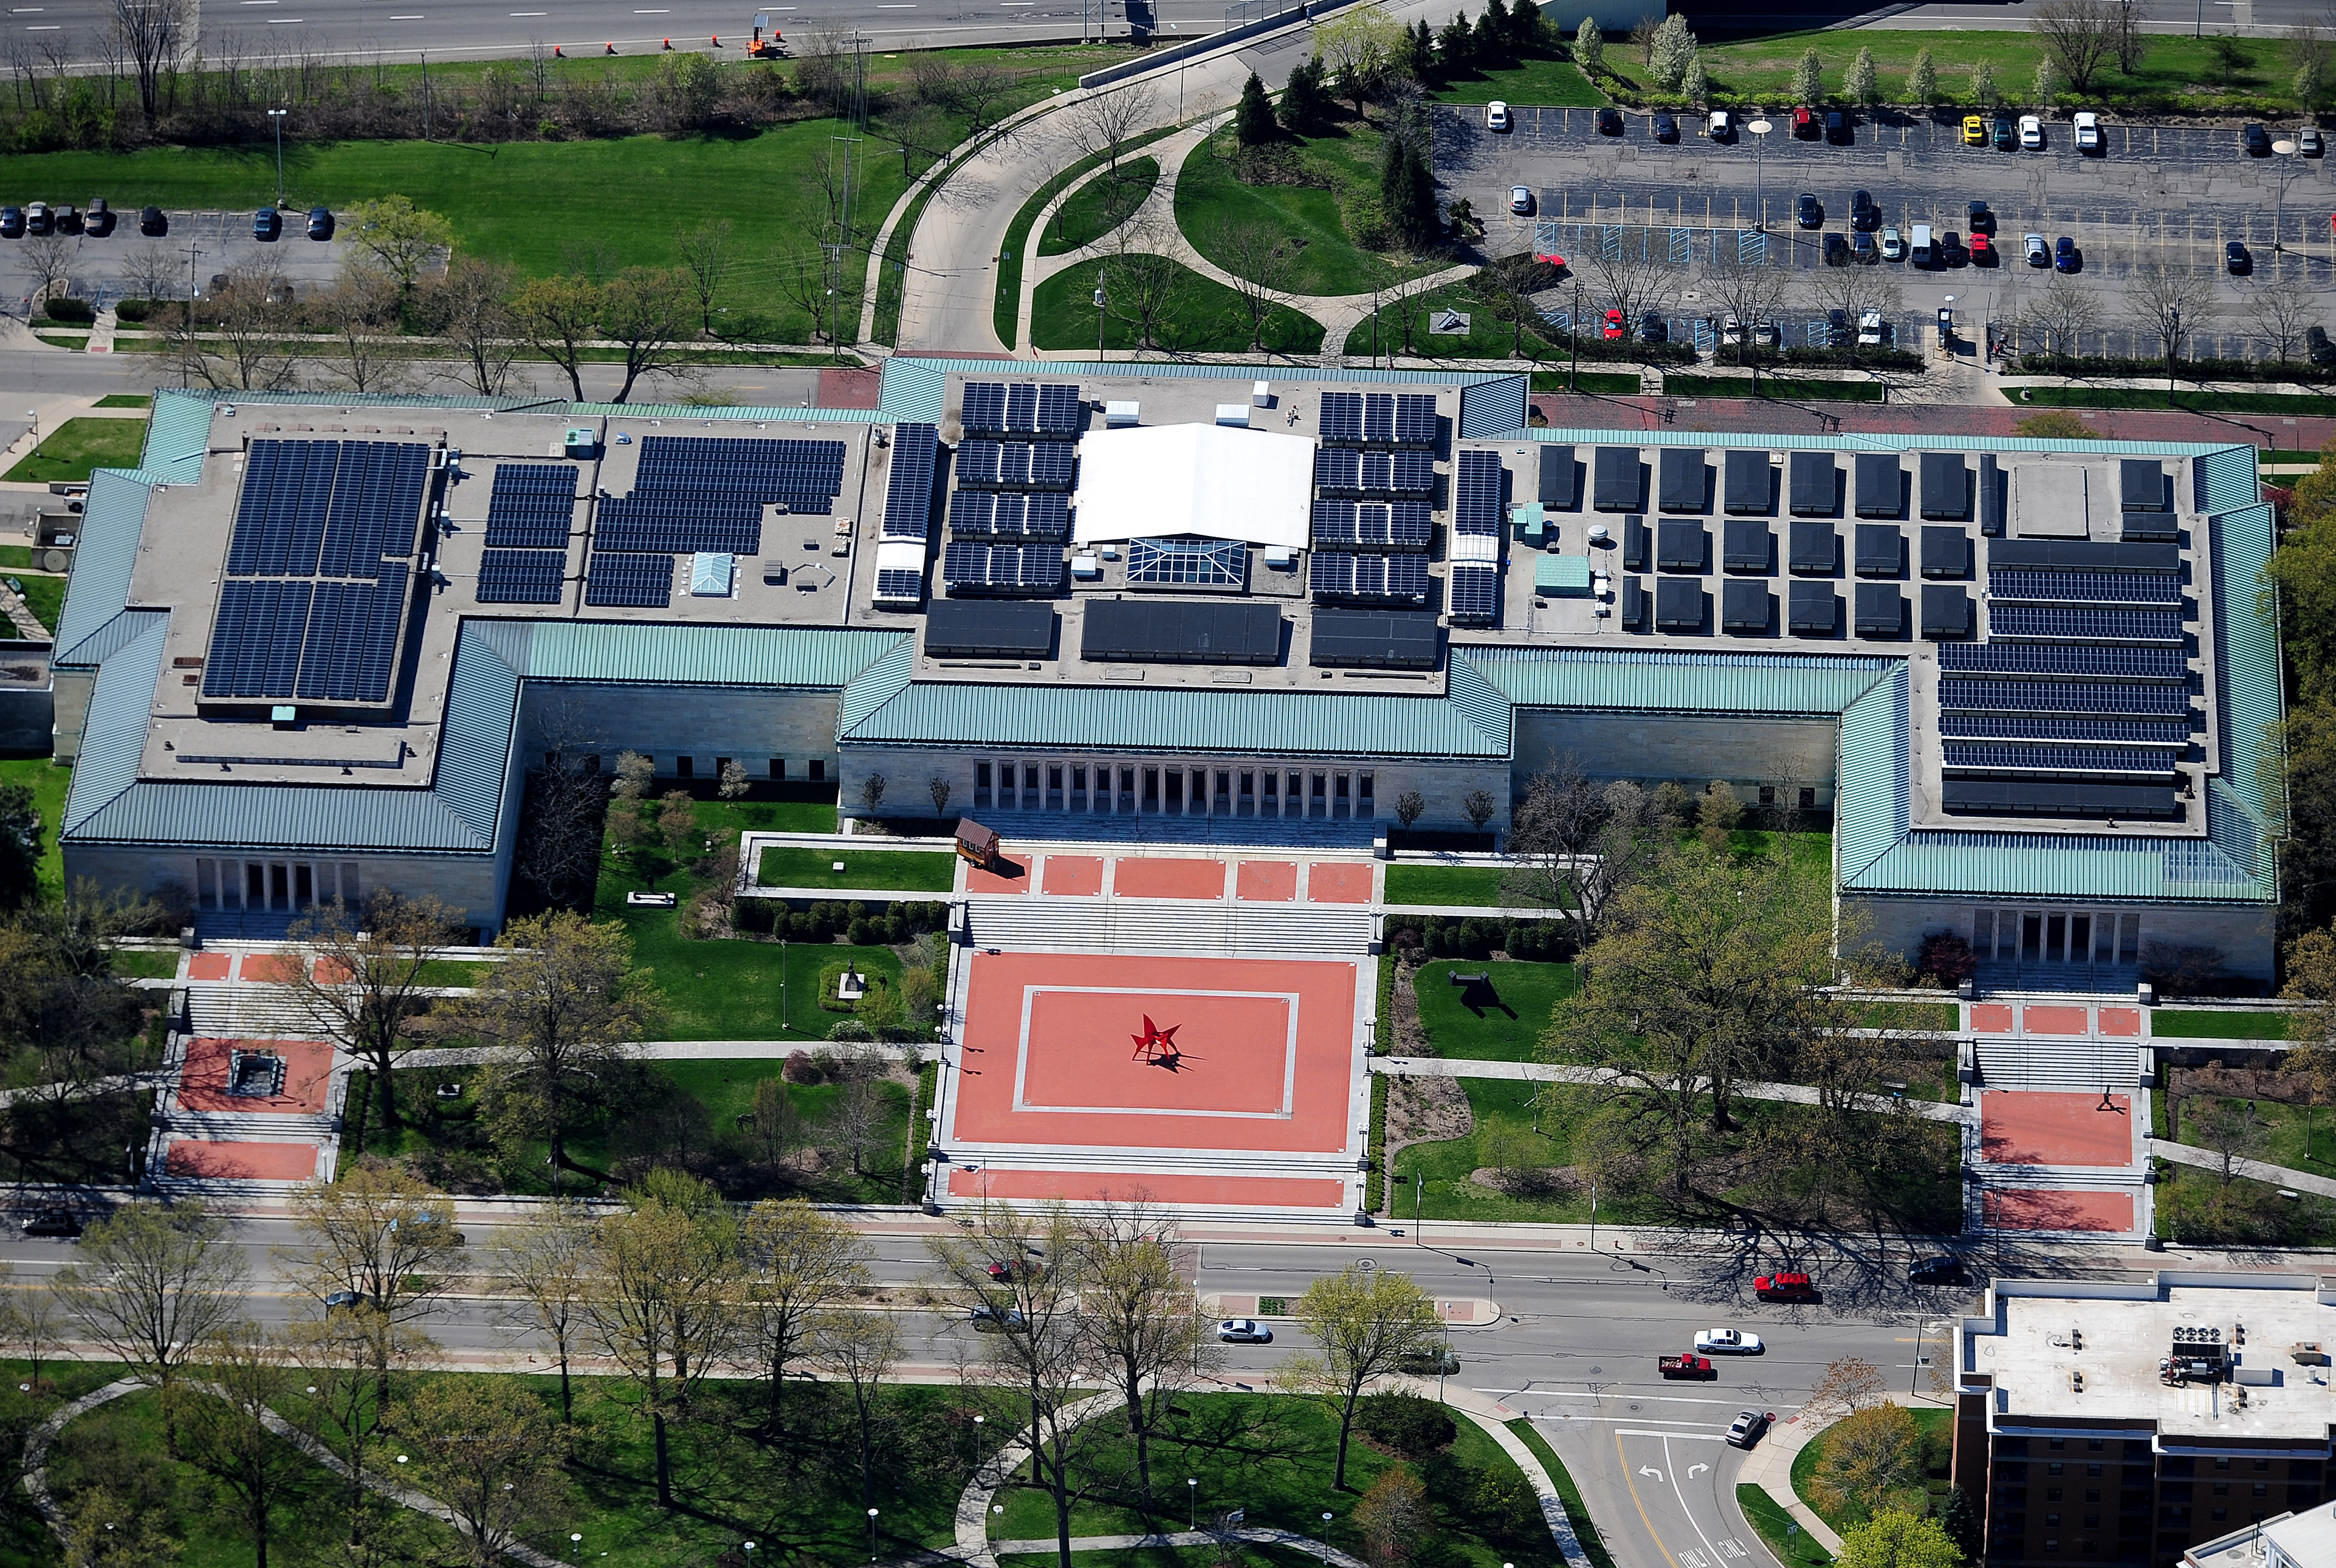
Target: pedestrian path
(1555, 1073)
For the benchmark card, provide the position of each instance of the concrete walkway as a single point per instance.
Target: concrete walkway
(2253, 1170)
(1770, 1468)
(1264, 1537)
(1549, 1073)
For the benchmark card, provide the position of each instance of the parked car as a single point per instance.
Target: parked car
(2255, 141)
(2087, 127)
(1653, 328)
(12, 223)
(1496, 116)
(2038, 253)
(1521, 201)
(1952, 252)
(1666, 128)
(2308, 142)
(1747, 1429)
(2236, 259)
(1808, 211)
(1861, 248)
(1787, 1286)
(2316, 347)
(1689, 1365)
(1613, 324)
(1244, 1331)
(2007, 134)
(1720, 127)
(1939, 1271)
(1731, 331)
(1974, 130)
(1838, 130)
(1863, 212)
(341, 1301)
(1874, 332)
(1806, 127)
(1014, 1269)
(320, 223)
(153, 222)
(1838, 331)
(1893, 244)
(98, 221)
(1436, 1363)
(2031, 133)
(996, 1320)
(1727, 1342)
(53, 1221)
(67, 218)
(1610, 122)
(2065, 256)
(1765, 335)
(1836, 250)
(267, 224)
(1982, 221)
(37, 221)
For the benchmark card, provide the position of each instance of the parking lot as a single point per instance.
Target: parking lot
(104, 269)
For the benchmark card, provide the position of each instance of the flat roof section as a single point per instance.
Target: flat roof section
(1619, 479)
(1750, 481)
(989, 628)
(1181, 631)
(1380, 640)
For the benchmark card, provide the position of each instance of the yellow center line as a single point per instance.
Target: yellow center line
(1633, 1485)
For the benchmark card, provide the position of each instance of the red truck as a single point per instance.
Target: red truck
(1785, 1288)
(1687, 1366)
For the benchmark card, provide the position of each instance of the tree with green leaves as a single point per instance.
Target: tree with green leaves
(1363, 1323)
(799, 1262)
(1808, 77)
(1896, 1539)
(1302, 102)
(1253, 121)
(1864, 82)
(1146, 1336)
(1985, 92)
(1456, 45)
(2048, 82)
(1420, 53)
(559, 317)
(858, 1347)
(1590, 48)
(482, 1447)
(229, 1439)
(391, 233)
(1696, 87)
(1669, 52)
(360, 974)
(20, 846)
(1923, 80)
(1358, 47)
(151, 1287)
(383, 1240)
(545, 1258)
(1870, 1456)
(1407, 192)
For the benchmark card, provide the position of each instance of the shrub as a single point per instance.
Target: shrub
(64, 308)
(1405, 1424)
(1505, 1507)
(133, 310)
(851, 1030)
(1946, 958)
(803, 1068)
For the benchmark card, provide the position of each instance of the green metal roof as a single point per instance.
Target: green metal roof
(1648, 679)
(1566, 574)
(1872, 797)
(177, 437)
(113, 518)
(2249, 696)
(663, 654)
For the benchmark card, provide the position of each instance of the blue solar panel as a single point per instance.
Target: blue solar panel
(2088, 587)
(1378, 418)
(973, 513)
(640, 582)
(971, 566)
(2063, 759)
(909, 491)
(1370, 578)
(2031, 658)
(1474, 593)
(255, 641)
(984, 408)
(352, 643)
(532, 506)
(2166, 732)
(2079, 623)
(523, 576)
(1476, 494)
(2050, 696)
(1342, 417)
(1021, 407)
(1414, 419)
(896, 585)
(1188, 562)
(800, 476)
(1402, 525)
(1342, 470)
(679, 524)
(1061, 410)
(334, 507)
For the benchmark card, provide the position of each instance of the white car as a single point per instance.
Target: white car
(1893, 244)
(1496, 116)
(1719, 128)
(1731, 333)
(1872, 332)
(2087, 126)
(2031, 133)
(1244, 1331)
(1521, 201)
(2038, 252)
(1726, 1342)
(2308, 142)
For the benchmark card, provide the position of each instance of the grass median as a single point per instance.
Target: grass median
(2288, 403)
(72, 449)
(904, 870)
(1007, 308)
(1198, 315)
(1321, 203)
(1452, 886)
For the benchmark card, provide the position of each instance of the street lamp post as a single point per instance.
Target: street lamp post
(2285, 151)
(872, 1534)
(1760, 128)
(35, 416)
(278, 116)
(2173, 347)
(1192, 1503)
(1326, 1541)
(1099, 301)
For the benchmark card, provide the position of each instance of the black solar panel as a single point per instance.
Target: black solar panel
(1632, 610)
(1678, 605)
(2049, 696)
(1476, 494)
(972, 566)
(1474, 592)
(1946, 552)
(1017, 464)
(1881, 550)
(2035, 658)
(2086, 587)
(1815, 483)
(1746, 545)
(970, 628)
(909, 491)
(1746, 608)
(1342, 417)
(1181, 631)
(1374, 639)
(1679, 545)
(1617, 482)
(1946, 486)
(1414, 419)
(2142, 484)
(2072, 623)
(1634, 544)
(1338, 470)
(1879, 485)
(1991, 496)
(522, 576)
(2086, 760)
(532, 506)
(640, 582)
(1881, 609)
(2082, 555)
(1390, 473)
(1750, 484)
(1816, 549)
(2168, 732)
(679, 524)
(1024, 409)
(1344, 575)
(352, 645)
(1685, 480)
(894, 585)
(2036, 797)
(1062, 412)
(1558, 487)
(1813, 608)
(1009, 515)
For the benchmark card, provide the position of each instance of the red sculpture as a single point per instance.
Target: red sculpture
(1156, 1044)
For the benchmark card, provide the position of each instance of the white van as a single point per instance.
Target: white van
(1921, 252)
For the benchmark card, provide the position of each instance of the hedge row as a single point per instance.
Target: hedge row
(2194, 369)
(831, 918)
(1440, 938)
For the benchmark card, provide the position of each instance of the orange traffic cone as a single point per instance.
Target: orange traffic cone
(717, 40)
(556, 54)
(668, 45)
(611, 48)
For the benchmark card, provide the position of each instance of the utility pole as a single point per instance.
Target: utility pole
(1574, 370)
(192, 251)
(278, 116)
(425, 93)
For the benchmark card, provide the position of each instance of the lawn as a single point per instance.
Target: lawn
(1098, 209)
(2300, 1138)
(49, 782)
(2290, 402)
(2196, 1208)
(138, 964)
(1498, 1021)
(1593, 1545)
(44, 596)
(1007, 308)
(79, 446)
(1476, 886)
(126, 400)
(1551, 83)
(2204, 1024)
(1487, 337)
(1592, 382)
(907, 870)
(1270, 1456)
(1201, 316)
(1777, 388)
(1793, 1546)
(1937, 1428)
(1341, 169)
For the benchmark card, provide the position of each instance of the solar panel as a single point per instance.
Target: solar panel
(1815, 548)
(800, 476)
(352, 644)
(896, 586)
(532, 506)
(1685, 480)
(2173, 732)
(1746, 545)
(1946, 485)
(1946, 610)
(1342, 417)
(1813, 608)
(2088, 760)
(974, 566)
(1633, 609)
(522, 576)
(2082, 555)
(334, 507)
(1750, 484)
(1881, 609)
(1557, 486)
(1991, 496)
(1061, 410)
(1374, 639)
(2040, 658)
(1879, 485)
(1188, 562)
(256, 639)
(1473, 592)
(970, 629)
(1678, 605)
(679, 524)
(909, 491)
(1881, 550)
(2055, 622)
(2036, 797)
(1679, 545)
(1378, 418)
(1476, 494)
(1402, 525)
(1414, 419)
(2086, 587)
(1009, 515)
(624, 579)
(2049, 696)
(1017, 464)
(1617, 482)
(1187, 632)
(1054, 409)
(1746, 608)
(1021, 407)
(1343, 574)
(972, 513)
(1336, 468)
(984, 408)
(1634, 543)
(1946, 552)
(2142, 484)
(1816, 482)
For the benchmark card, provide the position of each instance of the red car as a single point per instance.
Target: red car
(1614, 323)
(1983, 250)
(1785, 1288)
(1807, 127)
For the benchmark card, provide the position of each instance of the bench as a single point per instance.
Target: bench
(1480, 978)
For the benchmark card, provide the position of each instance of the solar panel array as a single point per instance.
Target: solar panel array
(1343, 471)
(678, 525)
(2086, 587)
(1474, 593)
(522, 576)
(1188, 562)
(2041, 697)
(2031, 658)
(800, 476)
(1051, 409)
(1378, 419)
(1017, 464)
(532, 506)
(1401, 525)
(901, 585)
(2056, 727)
(909, 492)
(2010, 757)
(306, 640)
(1476, 494)
(2084, 623)
(971, 566)
(1372, 578)
(628, 579)
(1008, 514)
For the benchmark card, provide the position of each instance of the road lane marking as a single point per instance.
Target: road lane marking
(1683, 1506)
(530, 13)
(1688, 1436)
(1641, 1502)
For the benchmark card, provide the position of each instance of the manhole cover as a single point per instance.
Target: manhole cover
(1595, 1370)
(1634, 1405)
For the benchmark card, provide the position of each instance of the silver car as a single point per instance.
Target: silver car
(1244, 1331)
(1521, 201)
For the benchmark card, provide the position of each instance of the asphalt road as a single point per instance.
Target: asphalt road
(2258, 18)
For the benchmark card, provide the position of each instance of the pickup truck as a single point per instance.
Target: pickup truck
(1687, 1366)
(1727, 1342)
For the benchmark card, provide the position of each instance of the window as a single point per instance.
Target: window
(2262, 1465)
(1175, 789)
(2262, 1490)
(1767, 797)
(2051, 1545)
(779, 769)
(818, 771)
(721, 766)
(2092, 1521)
(1272, 785)
(1030, 778)
(2052, 1495)
(1808, 798)
(2218, 1515)
(2221, 1463)
(1054, 779)
(2092, 1469)
(2052, 1519)
(2221, 1489)
(2092, 1495)
(2093, 1445)
(981, 775)
(685, 767)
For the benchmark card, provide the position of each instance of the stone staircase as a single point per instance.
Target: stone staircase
(235, 1012)
(1137, 925)
(2069, 1065)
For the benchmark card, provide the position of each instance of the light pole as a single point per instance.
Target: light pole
(1760, 128)
(1593, 1216)
(1099, 301)
(35, 416)
(1573, 366)
(2173, 346)
(2284, 150)
(1192, 1503)
(278, 116)
(1326, 1541)
(872, 1534)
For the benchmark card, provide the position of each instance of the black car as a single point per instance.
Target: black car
(1653, 328)
(267, 224)
(153, 222)
(1863, 212)
(68, 220)
(1836, 250)
(1666, 128)
(1610, 122)
(52, 1222)
(1838, 329)
(2236, 259)
(1952, 252)
(1982, 221)
(12, 223)
(320, 223)
(1940, 1270)
(1837, 128)
(2007, 131)
(98, 221)
(2256, 140)
(1861, 248)
(2316, 347)
(1809, 212)
(1436, 1363)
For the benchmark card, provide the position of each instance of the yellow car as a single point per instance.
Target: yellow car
(1974, 130)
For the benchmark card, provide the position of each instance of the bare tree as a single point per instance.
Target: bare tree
(1749, 289)
(646, 312)
(706, 260)
(560, 317)
(545, 1256)
(799, 1262)
(2168, 301)
(1105, 125)
(1146, 1336)
(47, 260)
(150, 272)
(1576, 847)
(1634, 280)
(2079, 34)
(2227, 1129)
(1261, 263)
(2062, 313)
(2280, 312)
(152, 35)
(365, 982)
(235, 339)
(1854, 291)
(1849, 1383)
(469, 307)
(2129, 43)
(251, 1370)
(369, 352)
(1143, 287)
(860, 1347)
(385, 1242)
(150, 1286)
